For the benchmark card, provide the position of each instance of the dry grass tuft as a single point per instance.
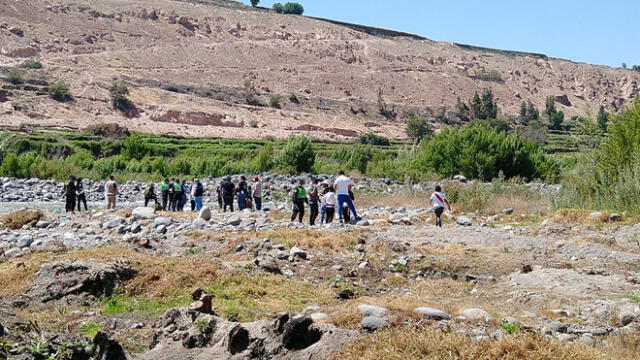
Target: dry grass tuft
(17, 219)
(409, 343)
(307, 239)
(405, 198)
(178, 215)
(575, 216)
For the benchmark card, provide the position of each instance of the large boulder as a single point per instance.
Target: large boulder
(72, 277)
(144, 212)
(184, 333)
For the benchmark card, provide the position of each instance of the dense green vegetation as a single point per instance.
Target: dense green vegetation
(288, 8)
(609, 179)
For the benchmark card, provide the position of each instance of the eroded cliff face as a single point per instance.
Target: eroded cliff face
(223, 69)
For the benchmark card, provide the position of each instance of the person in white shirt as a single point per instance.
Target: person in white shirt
(329, 202)
(439, 199)
(343, 186)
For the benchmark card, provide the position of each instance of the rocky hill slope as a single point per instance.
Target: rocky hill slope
(191, 68)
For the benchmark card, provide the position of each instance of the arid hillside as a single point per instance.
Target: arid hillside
(219, 68)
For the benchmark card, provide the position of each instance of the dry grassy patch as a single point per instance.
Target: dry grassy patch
(178, 215)
(307, 239)
(17, 219)
(410, 343)
(404, 198)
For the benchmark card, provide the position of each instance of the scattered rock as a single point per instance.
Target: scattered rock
(56, 280)
(460, 178)
(205, 214)
(476, 314)
(432, 314)
(372, 310)
(507, 211)
(296, 252)
(373, 323)
(234, 221)
(464, 221)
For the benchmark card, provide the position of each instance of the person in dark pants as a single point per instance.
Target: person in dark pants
(242, 193)
(219, 196)
(70, 194)
(150, 194)
(81, 197)
(228, 190)
(439, 200)
(298, 197)
(177, 195)
(314, 200)
(329, 202)
(323, 207)
(256, 192)
(164, 191)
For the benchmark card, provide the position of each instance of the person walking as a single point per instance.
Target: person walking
(439, 199)
(343, 186)
(314, 199)
(256, 193)
(81, 197)
(198, 194)
(242, 193)
(70, 194)
(298, 197)
(164, 191)
(329, 202)
(150, 194)
(228, 191)
(111, 192)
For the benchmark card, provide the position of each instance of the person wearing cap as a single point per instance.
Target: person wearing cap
(256, 192)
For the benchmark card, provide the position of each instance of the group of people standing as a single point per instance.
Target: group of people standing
(325, 200)
(247, 195)
(175, 194)
(74, 195)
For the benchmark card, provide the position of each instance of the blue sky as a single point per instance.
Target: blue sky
(596, 32)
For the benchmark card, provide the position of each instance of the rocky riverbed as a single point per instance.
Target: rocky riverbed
(135, 283)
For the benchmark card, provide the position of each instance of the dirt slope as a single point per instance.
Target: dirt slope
(210, 53)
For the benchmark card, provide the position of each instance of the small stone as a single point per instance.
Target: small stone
(559, 327)
(162, 221)
(476, 314)
(297, 252)
(615, 217)
(318, 316)
(507, 211)
(588, 340)
(372, 310)
(372, 323)
(432, 314)
(205, 213)
(464, 221)
(626, 318)
(460, 178)
(234, 221)
(25, 241)
(596, 215)
(565, 337)
(200, 222)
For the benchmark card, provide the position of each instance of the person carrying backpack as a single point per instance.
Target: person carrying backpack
(298, 197)
(81, 198)
(198, 194)
(164, 191)
(439, 199)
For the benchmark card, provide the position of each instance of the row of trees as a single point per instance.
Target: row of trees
(287, 8)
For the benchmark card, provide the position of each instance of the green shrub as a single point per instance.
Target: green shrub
(15, 78)
(480, 153)
(298, 154)
(255, 3)
(497, 125)
(293, 8)
(274, 101)
(610, 178)
(264, 160)
(119, 100)
(373, 139)
(485, 75)
(279, 8)
(108, 130)
(134, 147)
(59, 91)
(418, 128)
(31, 64)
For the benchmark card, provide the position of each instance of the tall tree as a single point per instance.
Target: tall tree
(524, 119)
(255, 3)
(603, 118)
(476, 106)
(418, 128)
(489, 106)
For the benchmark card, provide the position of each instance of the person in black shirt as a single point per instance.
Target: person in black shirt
(314, 200)
(70, 194)
(242, 193)
(228, 190)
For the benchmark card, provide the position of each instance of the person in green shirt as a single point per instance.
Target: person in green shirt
(299, 198)
(164, 191)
